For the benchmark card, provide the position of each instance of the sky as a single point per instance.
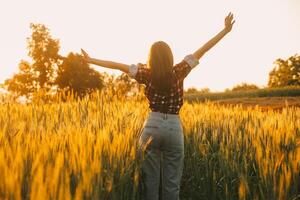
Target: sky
(123, 31)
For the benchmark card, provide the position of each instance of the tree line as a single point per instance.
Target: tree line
(285, 73)
(50, 73)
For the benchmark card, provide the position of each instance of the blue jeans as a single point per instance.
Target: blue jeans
(163, 153)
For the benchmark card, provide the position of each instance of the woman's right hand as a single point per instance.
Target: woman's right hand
(86, 56)
(228, 22)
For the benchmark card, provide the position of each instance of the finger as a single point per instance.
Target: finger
(83, 52)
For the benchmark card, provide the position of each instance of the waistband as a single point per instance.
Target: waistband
(163, 115)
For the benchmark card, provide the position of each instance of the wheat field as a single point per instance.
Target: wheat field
(87, 149)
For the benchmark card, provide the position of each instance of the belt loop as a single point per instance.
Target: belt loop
(165, 116)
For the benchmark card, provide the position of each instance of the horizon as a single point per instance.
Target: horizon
(124, 31)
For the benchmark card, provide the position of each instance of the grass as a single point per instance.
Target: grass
(87, 150)
(266, 92)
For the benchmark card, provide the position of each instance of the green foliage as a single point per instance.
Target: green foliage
(50, 72)
(291, 91)
(244, 86)
(43, 49)
(122, 85)
(74, 74)
(125, 84)
(38, 75)
(285, 72)
(24, 82)
(193, 90)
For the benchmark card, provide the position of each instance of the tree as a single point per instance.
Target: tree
(204, 90)
(43, 50)
(109, 81)
(285, 72)
(75, 75)
(244, 86)
(194, 90)
(124, 84)
(40, 74)
(23, 83)
(191, 90)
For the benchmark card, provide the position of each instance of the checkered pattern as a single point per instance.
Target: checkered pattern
(172, 101)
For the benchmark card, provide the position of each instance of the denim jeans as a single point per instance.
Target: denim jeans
(164, 154)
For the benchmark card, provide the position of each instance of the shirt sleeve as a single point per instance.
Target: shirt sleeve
(140, 74)
(183, 68)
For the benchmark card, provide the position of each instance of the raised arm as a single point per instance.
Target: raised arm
(105, 63)
(207, 46)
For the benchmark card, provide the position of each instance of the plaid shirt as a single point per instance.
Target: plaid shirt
(165, 103)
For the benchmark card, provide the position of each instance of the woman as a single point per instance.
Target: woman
(162, 131)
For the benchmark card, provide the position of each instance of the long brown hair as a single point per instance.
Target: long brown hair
(160, 62)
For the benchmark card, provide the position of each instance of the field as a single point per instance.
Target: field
(266, 99)
(265, 103)
(291, 91)
(87, 150)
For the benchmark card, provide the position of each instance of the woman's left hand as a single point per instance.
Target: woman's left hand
(140, 65)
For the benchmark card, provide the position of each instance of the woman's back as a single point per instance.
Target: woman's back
(172, 100)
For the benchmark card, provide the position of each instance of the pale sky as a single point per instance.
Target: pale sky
(123, 31)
